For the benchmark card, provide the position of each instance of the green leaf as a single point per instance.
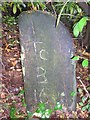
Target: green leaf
(88, 78)
(58, 106)
(43, 6)
(88, 88)
(81, 103)
(24, 105)
(0, 35)
(85, 107)
(23, 101)
(47, 113)
(19, 7)
(38, 110)
(85, 63)
(76, 31)
(82, 23)
(42, 106)
(89, 100)
(12, 112)
(89, 108)
(78, 27)
(14, 8)
(71, 10)
(84, 98)
(78, 9)
(75, 58)
(29, 114)
(73, 94)
(80, 90)
(22, 92)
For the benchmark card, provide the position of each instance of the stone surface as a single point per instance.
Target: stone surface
(46, 51)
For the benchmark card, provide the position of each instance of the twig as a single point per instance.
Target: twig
(85, 88)
(4, 117)
(68, 14)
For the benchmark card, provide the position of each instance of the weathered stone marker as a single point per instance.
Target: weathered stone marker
(48, 71)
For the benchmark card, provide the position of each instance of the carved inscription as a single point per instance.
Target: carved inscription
(41, 71)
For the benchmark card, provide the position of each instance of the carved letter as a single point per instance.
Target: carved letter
(42, 74)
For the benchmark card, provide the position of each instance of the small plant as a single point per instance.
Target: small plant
(13, 112)
(85, 62)
(9, 20)
(42, 112)
(12, 42)
(37, 5)
(23, 100)
(69, 9)
(17, 5)
(58, 106)
(88, 78)
(21, 92)
(78, 27)
(84, 105)
(24, 104)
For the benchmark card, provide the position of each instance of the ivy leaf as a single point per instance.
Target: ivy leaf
(88, 88)
(29, 114)
(89, 108)
(81, 103)
(21, 92)
(47, 113)
(85, 63)
(73, 94)
(85, 107)
(24, 105)
(89, 100)
(80, 90)
(12, 112)
(42, 106)
(75, 58)
(58, 106)
(84, 98)
(14, 8)
(38, 110)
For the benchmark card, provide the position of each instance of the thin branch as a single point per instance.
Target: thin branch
(68, 14)
(85, 88)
